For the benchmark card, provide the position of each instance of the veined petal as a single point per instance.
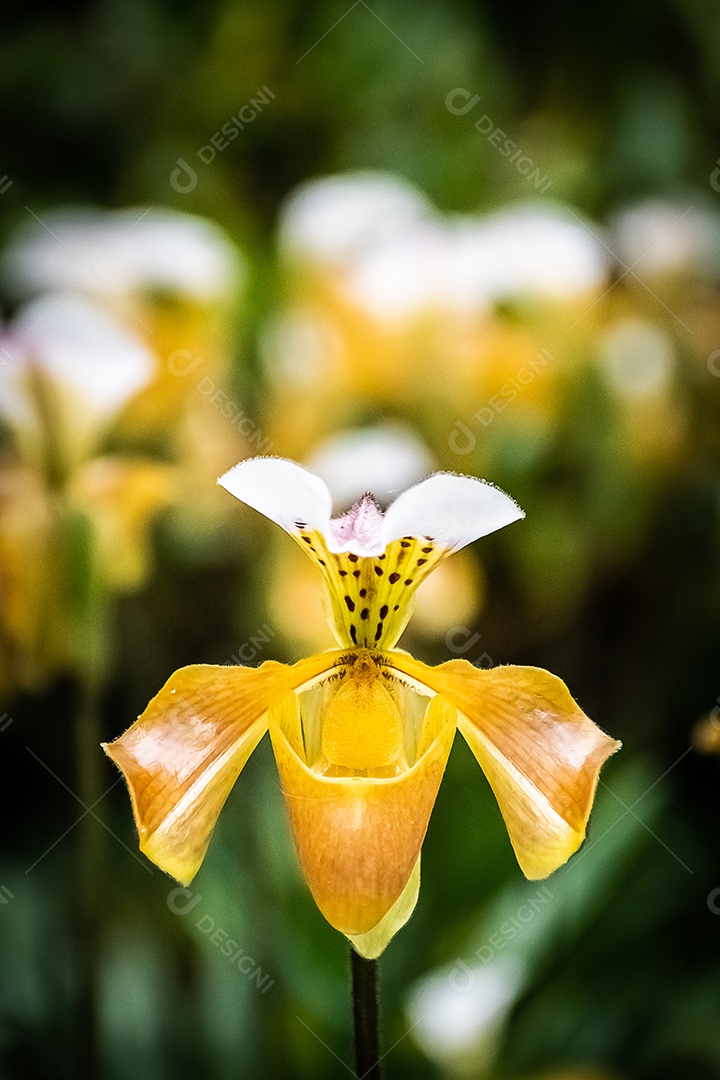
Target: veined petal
(182, 756)
(284, 492)
(541, 754)
(358, 838)
(450, 510)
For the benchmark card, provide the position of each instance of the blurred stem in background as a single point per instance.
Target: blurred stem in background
(88, 627)
(90, 873)
(365, 1016)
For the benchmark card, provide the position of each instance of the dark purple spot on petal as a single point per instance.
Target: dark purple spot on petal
(350, 603)
(353, 632)
(378, 632)
(393, 578)
(379, 571)
(364, 613)
(408, 581)
(383, 611)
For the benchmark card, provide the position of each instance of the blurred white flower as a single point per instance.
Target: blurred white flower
(123, 252)
(69, 368)
(467, 264)
(637, 357)
(525, 251)
(404, 275)
(660, 237)
(385, 460)
(457, 1013)
(300, 345)
(332, 219)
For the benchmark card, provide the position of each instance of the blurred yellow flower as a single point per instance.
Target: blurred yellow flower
(68, 370)
(389, 301)
(361, 734)
(171, 279)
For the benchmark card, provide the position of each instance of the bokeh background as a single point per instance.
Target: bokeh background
(381, 239)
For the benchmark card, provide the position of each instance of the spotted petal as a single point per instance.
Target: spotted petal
(541, 754)
(183, 755)
(372, 562)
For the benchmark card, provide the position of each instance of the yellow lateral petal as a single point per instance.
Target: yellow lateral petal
(358, 838)
(541, 754)
(375, 941)
(182, 756)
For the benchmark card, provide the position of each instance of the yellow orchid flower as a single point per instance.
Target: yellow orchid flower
(361, 734)
(68, 370)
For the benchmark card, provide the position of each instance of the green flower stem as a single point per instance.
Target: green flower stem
(365, 1017)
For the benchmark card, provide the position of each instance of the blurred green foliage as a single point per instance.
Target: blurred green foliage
(612, 582)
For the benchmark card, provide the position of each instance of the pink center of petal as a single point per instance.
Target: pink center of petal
(360, 530)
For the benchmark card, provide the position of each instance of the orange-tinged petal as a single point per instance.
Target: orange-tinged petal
(541, 754)
(358, 837)
(375, 941)
(183, 755)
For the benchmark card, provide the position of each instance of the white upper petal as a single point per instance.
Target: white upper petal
(281, 490)
(452, 510)
(402, 276)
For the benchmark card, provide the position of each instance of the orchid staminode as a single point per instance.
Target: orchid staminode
(362, 734)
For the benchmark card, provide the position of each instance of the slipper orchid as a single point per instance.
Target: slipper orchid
(68, 370)
(362, 734)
